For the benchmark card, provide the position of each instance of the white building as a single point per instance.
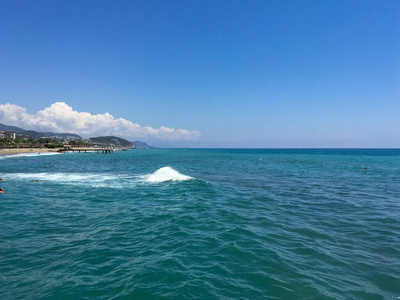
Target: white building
(9, 135)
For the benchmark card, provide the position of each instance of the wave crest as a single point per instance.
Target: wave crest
(165, 174)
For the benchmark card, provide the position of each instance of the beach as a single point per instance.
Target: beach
(12, 151)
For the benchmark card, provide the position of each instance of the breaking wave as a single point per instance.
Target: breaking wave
(102, 180)
(165, 174)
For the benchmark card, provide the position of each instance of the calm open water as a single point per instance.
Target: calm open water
(201, 224)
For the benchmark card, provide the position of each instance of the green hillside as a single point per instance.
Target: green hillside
(111, 141)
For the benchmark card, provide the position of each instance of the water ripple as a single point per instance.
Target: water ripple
(253, 224)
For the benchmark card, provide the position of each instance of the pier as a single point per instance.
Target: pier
(86, 149)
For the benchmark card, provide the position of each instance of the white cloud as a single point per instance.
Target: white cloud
(60, 117)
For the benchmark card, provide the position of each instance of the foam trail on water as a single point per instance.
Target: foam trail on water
(165, 174)
(101, 180)
(91, 180)
(34, 154)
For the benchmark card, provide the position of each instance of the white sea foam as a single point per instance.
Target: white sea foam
(82, 179)
(101, 180)
(165, 174)
(34, 154)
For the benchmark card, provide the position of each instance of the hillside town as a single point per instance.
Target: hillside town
(10, 139)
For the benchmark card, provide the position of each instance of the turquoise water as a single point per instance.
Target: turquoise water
(201, 224)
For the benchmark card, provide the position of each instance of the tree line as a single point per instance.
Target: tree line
(36, 143)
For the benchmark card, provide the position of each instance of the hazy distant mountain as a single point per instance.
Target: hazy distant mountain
(142, 145)
(62, 134)
(15, 129)
(33, 134)
(36, 134)
(112, 141)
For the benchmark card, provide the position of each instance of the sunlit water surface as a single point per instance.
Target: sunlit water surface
(201, 224)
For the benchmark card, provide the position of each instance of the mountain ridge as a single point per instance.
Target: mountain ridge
(112, 140)
(101, 139)
(142, 145)
(37, 134)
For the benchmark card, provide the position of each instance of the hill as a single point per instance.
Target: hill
(15, 129)
(36, 134)
(142, 145)
(62, 134)
(112, 141)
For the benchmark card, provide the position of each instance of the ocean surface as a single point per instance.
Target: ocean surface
(201, 224)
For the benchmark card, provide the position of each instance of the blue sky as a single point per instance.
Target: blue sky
(228, 73)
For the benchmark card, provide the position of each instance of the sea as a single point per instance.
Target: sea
(201, 224)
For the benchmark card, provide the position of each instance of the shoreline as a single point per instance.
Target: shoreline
(13, 151)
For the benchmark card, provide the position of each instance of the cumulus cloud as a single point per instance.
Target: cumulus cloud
(60, 117)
